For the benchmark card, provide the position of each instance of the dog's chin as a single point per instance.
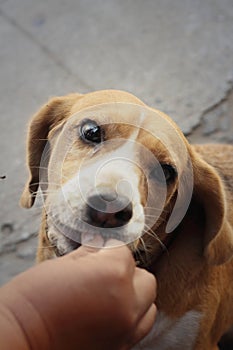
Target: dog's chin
(64, 245)
(65, 238)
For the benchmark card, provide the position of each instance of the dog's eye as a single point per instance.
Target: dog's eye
(170, 172)
(91, 132)
(162, 171)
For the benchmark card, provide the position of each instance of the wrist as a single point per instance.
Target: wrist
(18, 316)
(8, 326)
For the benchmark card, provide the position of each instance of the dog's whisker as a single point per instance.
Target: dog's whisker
(46, 155)
(153, 219)
(144, 247)
(150, 216)
(64, 177)
(47, 247)
(148, 207)
(45, 183)
(138, 253)
(39, 139)
(156, 210)
(38, 167)
(154, 235)
(44, 192)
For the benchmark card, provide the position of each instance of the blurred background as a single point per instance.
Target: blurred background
(176, 55)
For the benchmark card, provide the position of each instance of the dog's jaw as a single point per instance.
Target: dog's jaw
(62, 244)
(65, 230)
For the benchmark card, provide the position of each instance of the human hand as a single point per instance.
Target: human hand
(89, 299)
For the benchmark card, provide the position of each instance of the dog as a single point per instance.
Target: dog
(107, 163)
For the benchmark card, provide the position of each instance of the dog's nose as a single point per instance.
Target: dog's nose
(109, 210)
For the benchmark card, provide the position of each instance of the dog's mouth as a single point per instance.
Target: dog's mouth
(86, 234)
(101, 219)
(68, 239)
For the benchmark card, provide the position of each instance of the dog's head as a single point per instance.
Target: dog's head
(107, 164)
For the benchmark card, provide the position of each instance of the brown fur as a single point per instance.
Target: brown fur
(196, 272)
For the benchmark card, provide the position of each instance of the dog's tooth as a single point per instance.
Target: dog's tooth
(86, 237)
(93, 240)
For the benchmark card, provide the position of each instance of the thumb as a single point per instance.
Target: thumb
(90, 244)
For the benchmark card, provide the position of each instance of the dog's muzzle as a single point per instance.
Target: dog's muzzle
(108, 210)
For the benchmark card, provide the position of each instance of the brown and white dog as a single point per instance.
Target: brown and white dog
(107, 163)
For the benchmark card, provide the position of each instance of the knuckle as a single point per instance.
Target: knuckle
(150, 278)
(122, 273)
(127, 319)
(152, 281)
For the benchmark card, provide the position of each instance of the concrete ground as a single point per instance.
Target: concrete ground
(175, 55)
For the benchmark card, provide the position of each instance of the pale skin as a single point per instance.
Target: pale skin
(90, 299)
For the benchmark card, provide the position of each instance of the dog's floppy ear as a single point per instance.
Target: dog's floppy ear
(209, 191)
(42, 122)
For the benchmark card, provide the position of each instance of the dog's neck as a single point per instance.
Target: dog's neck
(157, 244)
(183, 264)
(156, 241)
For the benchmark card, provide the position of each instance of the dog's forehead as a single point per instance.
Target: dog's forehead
(137, 123)
(104, 97)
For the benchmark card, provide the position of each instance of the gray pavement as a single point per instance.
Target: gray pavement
(175, 55)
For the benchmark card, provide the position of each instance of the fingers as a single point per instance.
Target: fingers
(145, 325)
(112, 248)
(134, 289)
(91, 246)
(114, 243)
(121, 257)
(145, 290)
(145, 294)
